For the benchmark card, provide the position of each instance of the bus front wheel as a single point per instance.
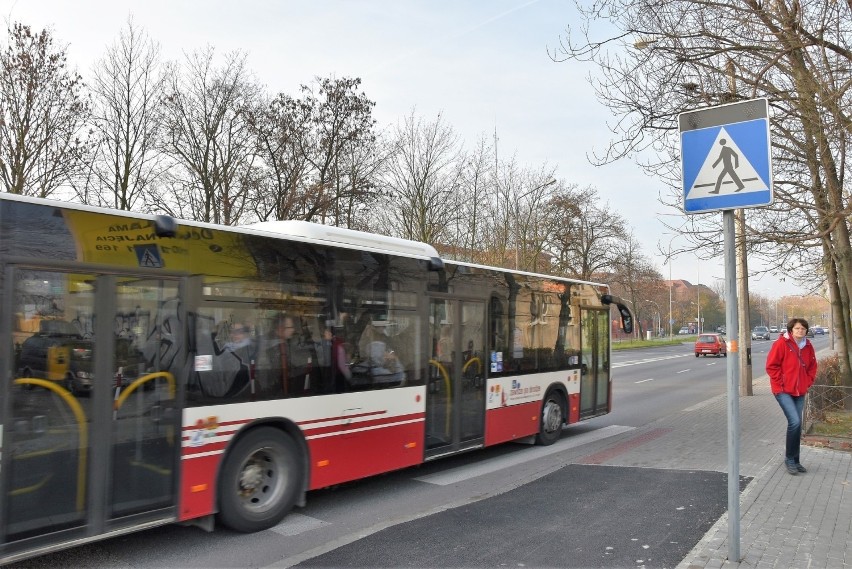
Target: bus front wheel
(552, 417)
(260, 481)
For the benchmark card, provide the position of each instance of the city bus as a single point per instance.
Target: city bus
(156, 370)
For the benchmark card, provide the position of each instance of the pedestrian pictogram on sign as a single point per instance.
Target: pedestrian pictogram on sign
(148, 256)
(725, 157)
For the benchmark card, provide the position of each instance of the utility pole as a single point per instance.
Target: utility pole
(742, 275)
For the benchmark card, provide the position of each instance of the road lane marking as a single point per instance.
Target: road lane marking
(644, 380)
(684, 370)
(649, 360)
(463, 473)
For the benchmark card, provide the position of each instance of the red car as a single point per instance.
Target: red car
(707, 344)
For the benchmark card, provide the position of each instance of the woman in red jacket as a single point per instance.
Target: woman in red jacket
(792, 366)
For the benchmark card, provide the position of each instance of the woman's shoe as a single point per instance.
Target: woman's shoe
(791, 467)
(801, 468)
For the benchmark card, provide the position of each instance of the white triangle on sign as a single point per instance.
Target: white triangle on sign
(724, 167)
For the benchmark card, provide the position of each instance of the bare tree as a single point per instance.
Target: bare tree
(421, 180)
(467, 236)
(635, 278)
(279, 127)
(42, 114)
(128, 88)
(584, 245)
(534, 226)
(320, 152)
(207, 134)
(340, 119)
(668, 57)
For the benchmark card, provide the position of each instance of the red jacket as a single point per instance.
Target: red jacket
(790, 369)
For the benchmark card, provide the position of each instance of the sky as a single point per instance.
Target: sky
(483, 64)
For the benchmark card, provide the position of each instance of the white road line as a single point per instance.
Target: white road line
(488, 466)
(644, 380)
(649, 360)
(684, 370)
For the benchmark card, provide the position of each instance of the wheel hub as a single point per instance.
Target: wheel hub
(552, 420)
(251, 478)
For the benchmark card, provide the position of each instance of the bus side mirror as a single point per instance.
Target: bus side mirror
(626, 315)
(626, 319)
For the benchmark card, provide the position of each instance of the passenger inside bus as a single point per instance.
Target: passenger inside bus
(379, 365)
(241, 346)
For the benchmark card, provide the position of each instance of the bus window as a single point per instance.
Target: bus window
(226, 351)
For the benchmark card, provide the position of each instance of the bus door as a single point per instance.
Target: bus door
(94, 448)
(595, 353)
(455, 399)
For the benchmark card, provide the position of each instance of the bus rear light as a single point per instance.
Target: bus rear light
(198, 488)
(412, 444)
(323, 462)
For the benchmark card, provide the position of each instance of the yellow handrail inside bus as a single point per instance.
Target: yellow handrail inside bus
(446, 377)
(83, 430)
(470, 361)
(170, 379)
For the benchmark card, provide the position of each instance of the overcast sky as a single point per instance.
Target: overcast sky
(482, 63)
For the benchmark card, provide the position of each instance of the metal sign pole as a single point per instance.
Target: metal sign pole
(732, 324)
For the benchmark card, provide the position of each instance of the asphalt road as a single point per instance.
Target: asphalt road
(577, 516)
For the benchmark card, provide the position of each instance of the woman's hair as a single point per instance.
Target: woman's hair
(794, 321)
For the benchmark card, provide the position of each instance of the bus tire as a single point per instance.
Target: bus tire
(552, 418)
(260, 481)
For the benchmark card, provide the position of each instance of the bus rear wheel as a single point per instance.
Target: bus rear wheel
(552, 417)
(260, 482)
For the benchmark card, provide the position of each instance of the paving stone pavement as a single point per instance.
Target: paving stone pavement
(802, 521)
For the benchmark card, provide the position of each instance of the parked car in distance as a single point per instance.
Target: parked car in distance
(761, 333)
(684, 330)
(810, 332)
(773, 329)
(818, 330)
(707, 344)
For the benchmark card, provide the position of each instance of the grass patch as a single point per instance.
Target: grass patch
(653, 343)
(835, 424)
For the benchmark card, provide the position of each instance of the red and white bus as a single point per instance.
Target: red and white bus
(157, 370)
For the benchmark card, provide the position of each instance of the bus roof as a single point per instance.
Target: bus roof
(291, 229)
(342, 236)
(527, 273)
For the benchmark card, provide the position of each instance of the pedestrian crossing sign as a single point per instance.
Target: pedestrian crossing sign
(726, 160)
(148, 256)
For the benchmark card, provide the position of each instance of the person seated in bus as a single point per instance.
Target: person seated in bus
(380, 366)
(240, 346)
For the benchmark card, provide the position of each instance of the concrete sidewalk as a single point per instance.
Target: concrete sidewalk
(786, 521)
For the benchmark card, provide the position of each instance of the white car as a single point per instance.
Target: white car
(684, 330)
(773, 329)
